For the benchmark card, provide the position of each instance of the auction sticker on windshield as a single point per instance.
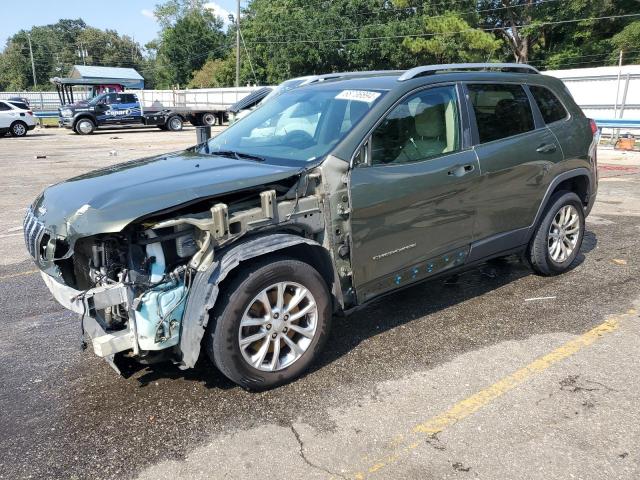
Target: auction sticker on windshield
(358, 95)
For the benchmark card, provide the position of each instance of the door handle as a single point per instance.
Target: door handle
(546, 148)
(461, 170)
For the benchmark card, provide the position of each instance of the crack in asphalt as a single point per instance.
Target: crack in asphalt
(309, 462)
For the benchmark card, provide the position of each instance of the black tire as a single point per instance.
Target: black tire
(222, 339)
(538, 252)
(174, 123)
(207, 119)
(18, 129)
(84, 126)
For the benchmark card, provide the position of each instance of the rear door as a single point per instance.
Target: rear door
(516, 153)
(412, 201)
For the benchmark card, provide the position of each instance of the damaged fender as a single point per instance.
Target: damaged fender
(204, 290)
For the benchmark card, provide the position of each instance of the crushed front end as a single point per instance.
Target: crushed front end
(131, 287)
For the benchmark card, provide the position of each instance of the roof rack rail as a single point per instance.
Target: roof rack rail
(433, 69)
(333, 76)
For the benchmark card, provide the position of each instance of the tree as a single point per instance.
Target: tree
(56, 49)
(446, 33)
(215, 73)
(190, 36)
(628, 39)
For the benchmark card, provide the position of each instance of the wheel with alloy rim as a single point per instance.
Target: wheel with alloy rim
(174, 123)
(563, 234)
(18, 129)
(559, 235)
(278, 326)
(269, 323)
(85, 126)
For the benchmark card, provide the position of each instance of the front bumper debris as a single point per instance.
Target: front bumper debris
(105, 344)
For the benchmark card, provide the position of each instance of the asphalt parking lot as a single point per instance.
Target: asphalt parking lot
(501, 374)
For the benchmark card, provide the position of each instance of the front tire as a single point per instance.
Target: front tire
(174, 123)
(269, 323)
(559, 235)
(84, 126)
(18, 129)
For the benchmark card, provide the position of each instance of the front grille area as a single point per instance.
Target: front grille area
(33, 232)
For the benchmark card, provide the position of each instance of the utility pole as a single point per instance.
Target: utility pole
(237, 43)
(33, 66)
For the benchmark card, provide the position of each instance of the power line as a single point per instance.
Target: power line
(542, 2)
(417, 35)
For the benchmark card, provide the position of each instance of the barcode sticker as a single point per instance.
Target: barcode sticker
(358, 95)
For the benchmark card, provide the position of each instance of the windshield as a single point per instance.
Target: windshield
(95, 100)
(299, 125)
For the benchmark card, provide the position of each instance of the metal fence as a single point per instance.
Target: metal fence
(42, 101)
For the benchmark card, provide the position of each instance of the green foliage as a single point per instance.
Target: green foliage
(56, 49)
(215, 73)
(627, 40)
(446, 34)
(190, 36)
(289, 38)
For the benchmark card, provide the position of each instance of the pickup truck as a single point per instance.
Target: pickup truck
(118, 109)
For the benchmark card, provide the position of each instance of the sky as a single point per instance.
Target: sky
(130, 17)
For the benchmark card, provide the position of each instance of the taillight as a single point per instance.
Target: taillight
(30, 112)
(594, 127)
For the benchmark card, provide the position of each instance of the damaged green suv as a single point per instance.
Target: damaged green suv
(326, 197)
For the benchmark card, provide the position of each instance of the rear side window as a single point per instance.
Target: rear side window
(551, 108)
(502, 110)
(4, 106)
(128, 98)
(21, 105)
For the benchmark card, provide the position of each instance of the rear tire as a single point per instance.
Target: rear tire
(18, 129)
(559, 235)
(273, 350)
(84, 126)
(208, 119)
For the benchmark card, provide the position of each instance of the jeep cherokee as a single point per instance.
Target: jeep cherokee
(319, 201)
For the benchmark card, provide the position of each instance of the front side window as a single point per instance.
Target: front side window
(423, 126)
(298, 125)
(550, 107)
(502, 110)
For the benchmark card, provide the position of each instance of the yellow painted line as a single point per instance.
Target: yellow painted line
(475, 402)
(19, 274)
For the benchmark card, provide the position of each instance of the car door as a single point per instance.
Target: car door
(412, 199)
(516, 153)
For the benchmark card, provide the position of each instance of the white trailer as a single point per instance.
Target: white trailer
(202, 106)
(604, 93)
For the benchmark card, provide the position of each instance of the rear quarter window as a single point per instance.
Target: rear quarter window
(501, 110)
(550, 107)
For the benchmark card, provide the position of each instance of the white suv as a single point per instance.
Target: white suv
(15, 120)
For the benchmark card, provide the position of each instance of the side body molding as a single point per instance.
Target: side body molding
(204, 290)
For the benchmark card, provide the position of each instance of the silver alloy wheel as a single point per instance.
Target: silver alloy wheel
(85, 126)
(19, 130)
(175, 123)
(563, 233)
(278, 326)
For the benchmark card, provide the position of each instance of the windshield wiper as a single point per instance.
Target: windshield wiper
(238, 155)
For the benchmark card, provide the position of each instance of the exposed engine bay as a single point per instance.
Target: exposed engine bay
(131, 287)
